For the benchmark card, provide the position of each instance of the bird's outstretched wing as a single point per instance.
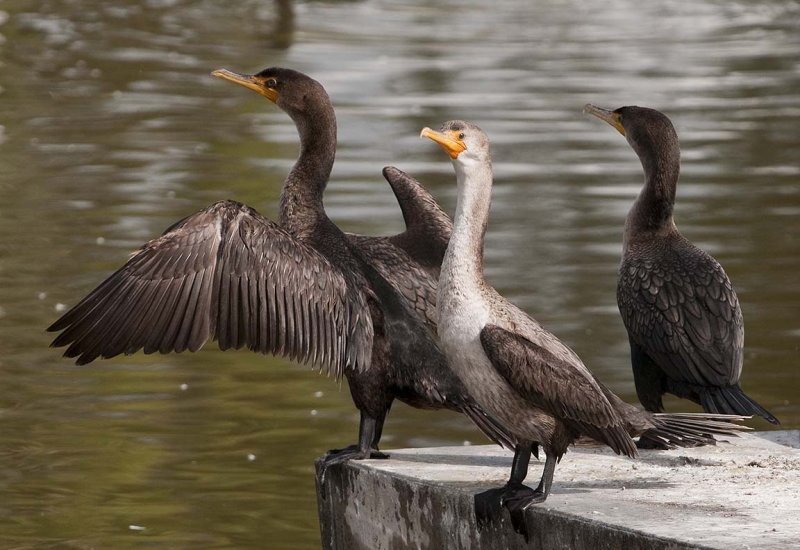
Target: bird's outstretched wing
(428, 227)
(410, 261)
(415, 283)
(230, 274)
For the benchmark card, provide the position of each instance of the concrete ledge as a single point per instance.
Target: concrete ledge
(743, 493)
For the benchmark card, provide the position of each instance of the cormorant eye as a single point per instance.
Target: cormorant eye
(461, 135)
(271, 83)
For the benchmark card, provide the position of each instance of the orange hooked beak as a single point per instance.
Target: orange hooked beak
(449, 141)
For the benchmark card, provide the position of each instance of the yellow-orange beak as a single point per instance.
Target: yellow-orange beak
(604, 114)
(249, 81)
(449, 141)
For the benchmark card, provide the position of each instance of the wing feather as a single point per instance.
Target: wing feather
(680, 308)
(224, 273)
(566, 390)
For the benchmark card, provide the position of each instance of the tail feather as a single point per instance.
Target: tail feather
(732, 400)
(616, 437)
(690, 429)
(489, 426)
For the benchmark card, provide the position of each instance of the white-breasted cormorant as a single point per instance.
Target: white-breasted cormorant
(521, 374)
(355, 305)
(683, 319)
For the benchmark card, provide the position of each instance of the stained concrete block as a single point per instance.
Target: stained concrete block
(742, 493)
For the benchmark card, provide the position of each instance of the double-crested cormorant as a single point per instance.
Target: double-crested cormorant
(301, 288)
(683, 318)
(521, 374)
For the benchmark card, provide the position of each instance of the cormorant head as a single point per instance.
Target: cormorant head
(649, 132)
(290, 90)
(464, 142)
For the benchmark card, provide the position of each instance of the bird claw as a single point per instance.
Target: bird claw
(515, 498)
(488, 507)
(340, 456)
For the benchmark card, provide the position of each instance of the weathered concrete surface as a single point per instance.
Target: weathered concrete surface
(743, 493)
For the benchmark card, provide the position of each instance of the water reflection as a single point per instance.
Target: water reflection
(111, 129)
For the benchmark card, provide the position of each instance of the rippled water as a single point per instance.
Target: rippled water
(111, 129)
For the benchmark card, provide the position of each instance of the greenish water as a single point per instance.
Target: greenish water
(111, 129)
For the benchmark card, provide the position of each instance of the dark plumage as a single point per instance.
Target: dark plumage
(683, 318)
(520, 373)
(355, 305)
(230, 274)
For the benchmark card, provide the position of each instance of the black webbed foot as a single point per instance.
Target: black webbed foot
(353, 452)
(489, 507)
(340, 456)
(519, 501)
(514, 497)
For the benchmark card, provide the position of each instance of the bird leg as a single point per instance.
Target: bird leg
(515, 496)
(369, 433)
(377, 433)
(545, 484)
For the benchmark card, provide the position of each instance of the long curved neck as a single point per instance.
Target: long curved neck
(301, 198)
(652, 210)
(463, 261)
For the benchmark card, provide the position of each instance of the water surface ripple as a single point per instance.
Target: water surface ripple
(112, 129)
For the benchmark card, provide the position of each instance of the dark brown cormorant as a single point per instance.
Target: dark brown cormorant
(683, 318)
(521, 374)
(355, 305)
